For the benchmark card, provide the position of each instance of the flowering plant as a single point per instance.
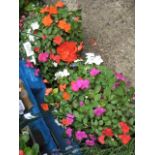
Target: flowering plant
(54, 36)
(94, 104)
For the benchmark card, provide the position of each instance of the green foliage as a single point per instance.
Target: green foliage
(28, 150)
(117, 101)
(48, 69)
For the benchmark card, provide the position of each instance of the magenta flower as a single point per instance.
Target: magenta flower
(80, 135)
(43, 57)
(70, 116)
(70, 120)
(69, 132)
(80, 84)
(36, 72)
(74, 86)
(120, 76)
(29, 63)
(94, 72)
(90, 142)
(92, 137)
(81, 103)
(85, 84)
(99, 111)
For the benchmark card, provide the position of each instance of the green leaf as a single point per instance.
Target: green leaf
(25, 138)
(35, 149)
(97, 97)
(55, 90)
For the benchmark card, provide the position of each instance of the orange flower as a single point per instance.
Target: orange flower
(66, 96)
(48, 91)
(47, 21)
(62, 87)
(45, 81)
(66, 121)
(53, 10)
(62, 24)
(44, 10)
(59, 4)
(44, 106)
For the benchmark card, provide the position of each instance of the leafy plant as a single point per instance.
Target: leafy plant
(24, 148)
(56, 27)
(103, 104)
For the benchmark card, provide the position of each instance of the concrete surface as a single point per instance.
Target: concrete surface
(108, 27)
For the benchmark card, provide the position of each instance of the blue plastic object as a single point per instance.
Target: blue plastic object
(39, 126)
(52, 134)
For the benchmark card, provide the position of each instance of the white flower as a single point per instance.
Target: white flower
(29, 30)
(35, 26)
(31, 38)
(92, 58)
(61, 74)
(55, 64)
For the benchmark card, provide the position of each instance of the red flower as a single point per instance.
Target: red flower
(101, 139)
(124, 138)
(21, 152)
(55, 58)
(68, 51)
(125, 128)
(44, 106)
(57, 40)
(108, 132)
(35, 31)
(66, 121)
(44, 37)
(36, 49)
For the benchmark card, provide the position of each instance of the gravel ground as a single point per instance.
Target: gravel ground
(108, 27)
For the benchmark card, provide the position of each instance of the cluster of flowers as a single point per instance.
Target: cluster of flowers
(90, 140)
(80, 84)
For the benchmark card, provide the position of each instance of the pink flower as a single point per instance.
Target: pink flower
(99, 111)
(85, 84)
(80, 135)
(92, 137)
(74, 86)
(80, 84)
(36, 72)
(120, 76)
(71, 120)
(29, 63)
(90, 142)
(94, 72)
(70, 116)
(69, 132)
(43, 57)
(81, 103)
